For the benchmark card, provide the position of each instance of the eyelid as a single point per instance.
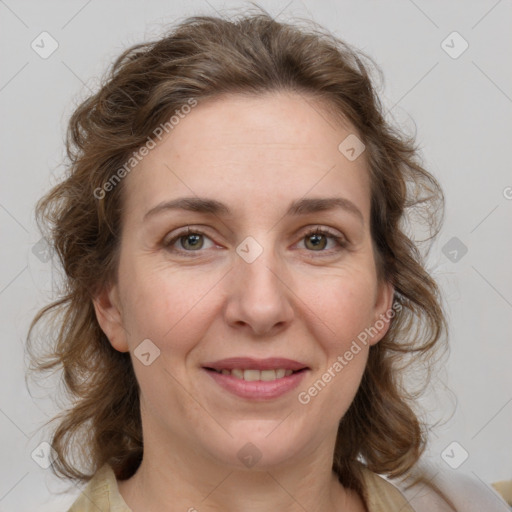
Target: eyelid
(320, 228)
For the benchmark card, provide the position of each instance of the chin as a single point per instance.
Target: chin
(257, 444)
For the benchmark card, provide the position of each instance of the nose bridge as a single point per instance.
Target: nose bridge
(259, 295)
(261, 276)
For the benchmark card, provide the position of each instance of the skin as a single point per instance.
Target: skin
(297, 300)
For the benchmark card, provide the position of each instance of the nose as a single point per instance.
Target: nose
(260, 296)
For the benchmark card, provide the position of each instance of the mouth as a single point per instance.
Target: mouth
(257, 379)
(250, 375)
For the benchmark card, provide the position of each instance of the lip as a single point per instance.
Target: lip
(248, 363)
(257, 390)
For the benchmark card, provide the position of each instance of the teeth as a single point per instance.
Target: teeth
(267, 375)
(239, 374)
(253, 375)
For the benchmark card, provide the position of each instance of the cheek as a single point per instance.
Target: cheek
(173, 310)
(343, 302)
(345, 307)
(168, 306)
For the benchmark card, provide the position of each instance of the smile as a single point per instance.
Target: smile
(254, 375)
(251, 384)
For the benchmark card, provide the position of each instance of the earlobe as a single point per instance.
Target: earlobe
(110, 318)
(383, 311)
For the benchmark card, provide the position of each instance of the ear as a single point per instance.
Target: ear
(109, 315)
(383, 311)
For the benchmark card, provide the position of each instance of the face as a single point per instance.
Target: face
(268, 266)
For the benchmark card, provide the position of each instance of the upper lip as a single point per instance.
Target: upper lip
(248, 363)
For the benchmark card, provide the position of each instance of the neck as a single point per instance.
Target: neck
(229, 491)
(178, 474)
(177, 479)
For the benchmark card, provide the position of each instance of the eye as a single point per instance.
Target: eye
(193, 240)
(318, 239)
(188, 241)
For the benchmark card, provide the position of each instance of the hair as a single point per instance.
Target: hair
(205, 57)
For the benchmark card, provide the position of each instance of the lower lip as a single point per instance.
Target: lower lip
(257, 390)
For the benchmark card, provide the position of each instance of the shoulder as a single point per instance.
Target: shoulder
(101, 494)
(441, 490)
(382, 495)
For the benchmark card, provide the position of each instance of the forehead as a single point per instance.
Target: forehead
(241, 149)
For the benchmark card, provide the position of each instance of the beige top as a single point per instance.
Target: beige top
(467, 495)
(102, 495)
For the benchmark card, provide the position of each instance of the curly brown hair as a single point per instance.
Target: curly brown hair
(204, 57)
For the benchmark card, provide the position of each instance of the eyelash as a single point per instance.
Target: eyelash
(340, 240)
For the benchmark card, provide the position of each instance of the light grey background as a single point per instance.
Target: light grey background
(462, 110)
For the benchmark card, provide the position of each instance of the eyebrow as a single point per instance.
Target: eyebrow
(302, 206)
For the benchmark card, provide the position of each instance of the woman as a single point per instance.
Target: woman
(241, 294)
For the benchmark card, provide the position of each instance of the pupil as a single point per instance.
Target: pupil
(316, 240)
(192, 240)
